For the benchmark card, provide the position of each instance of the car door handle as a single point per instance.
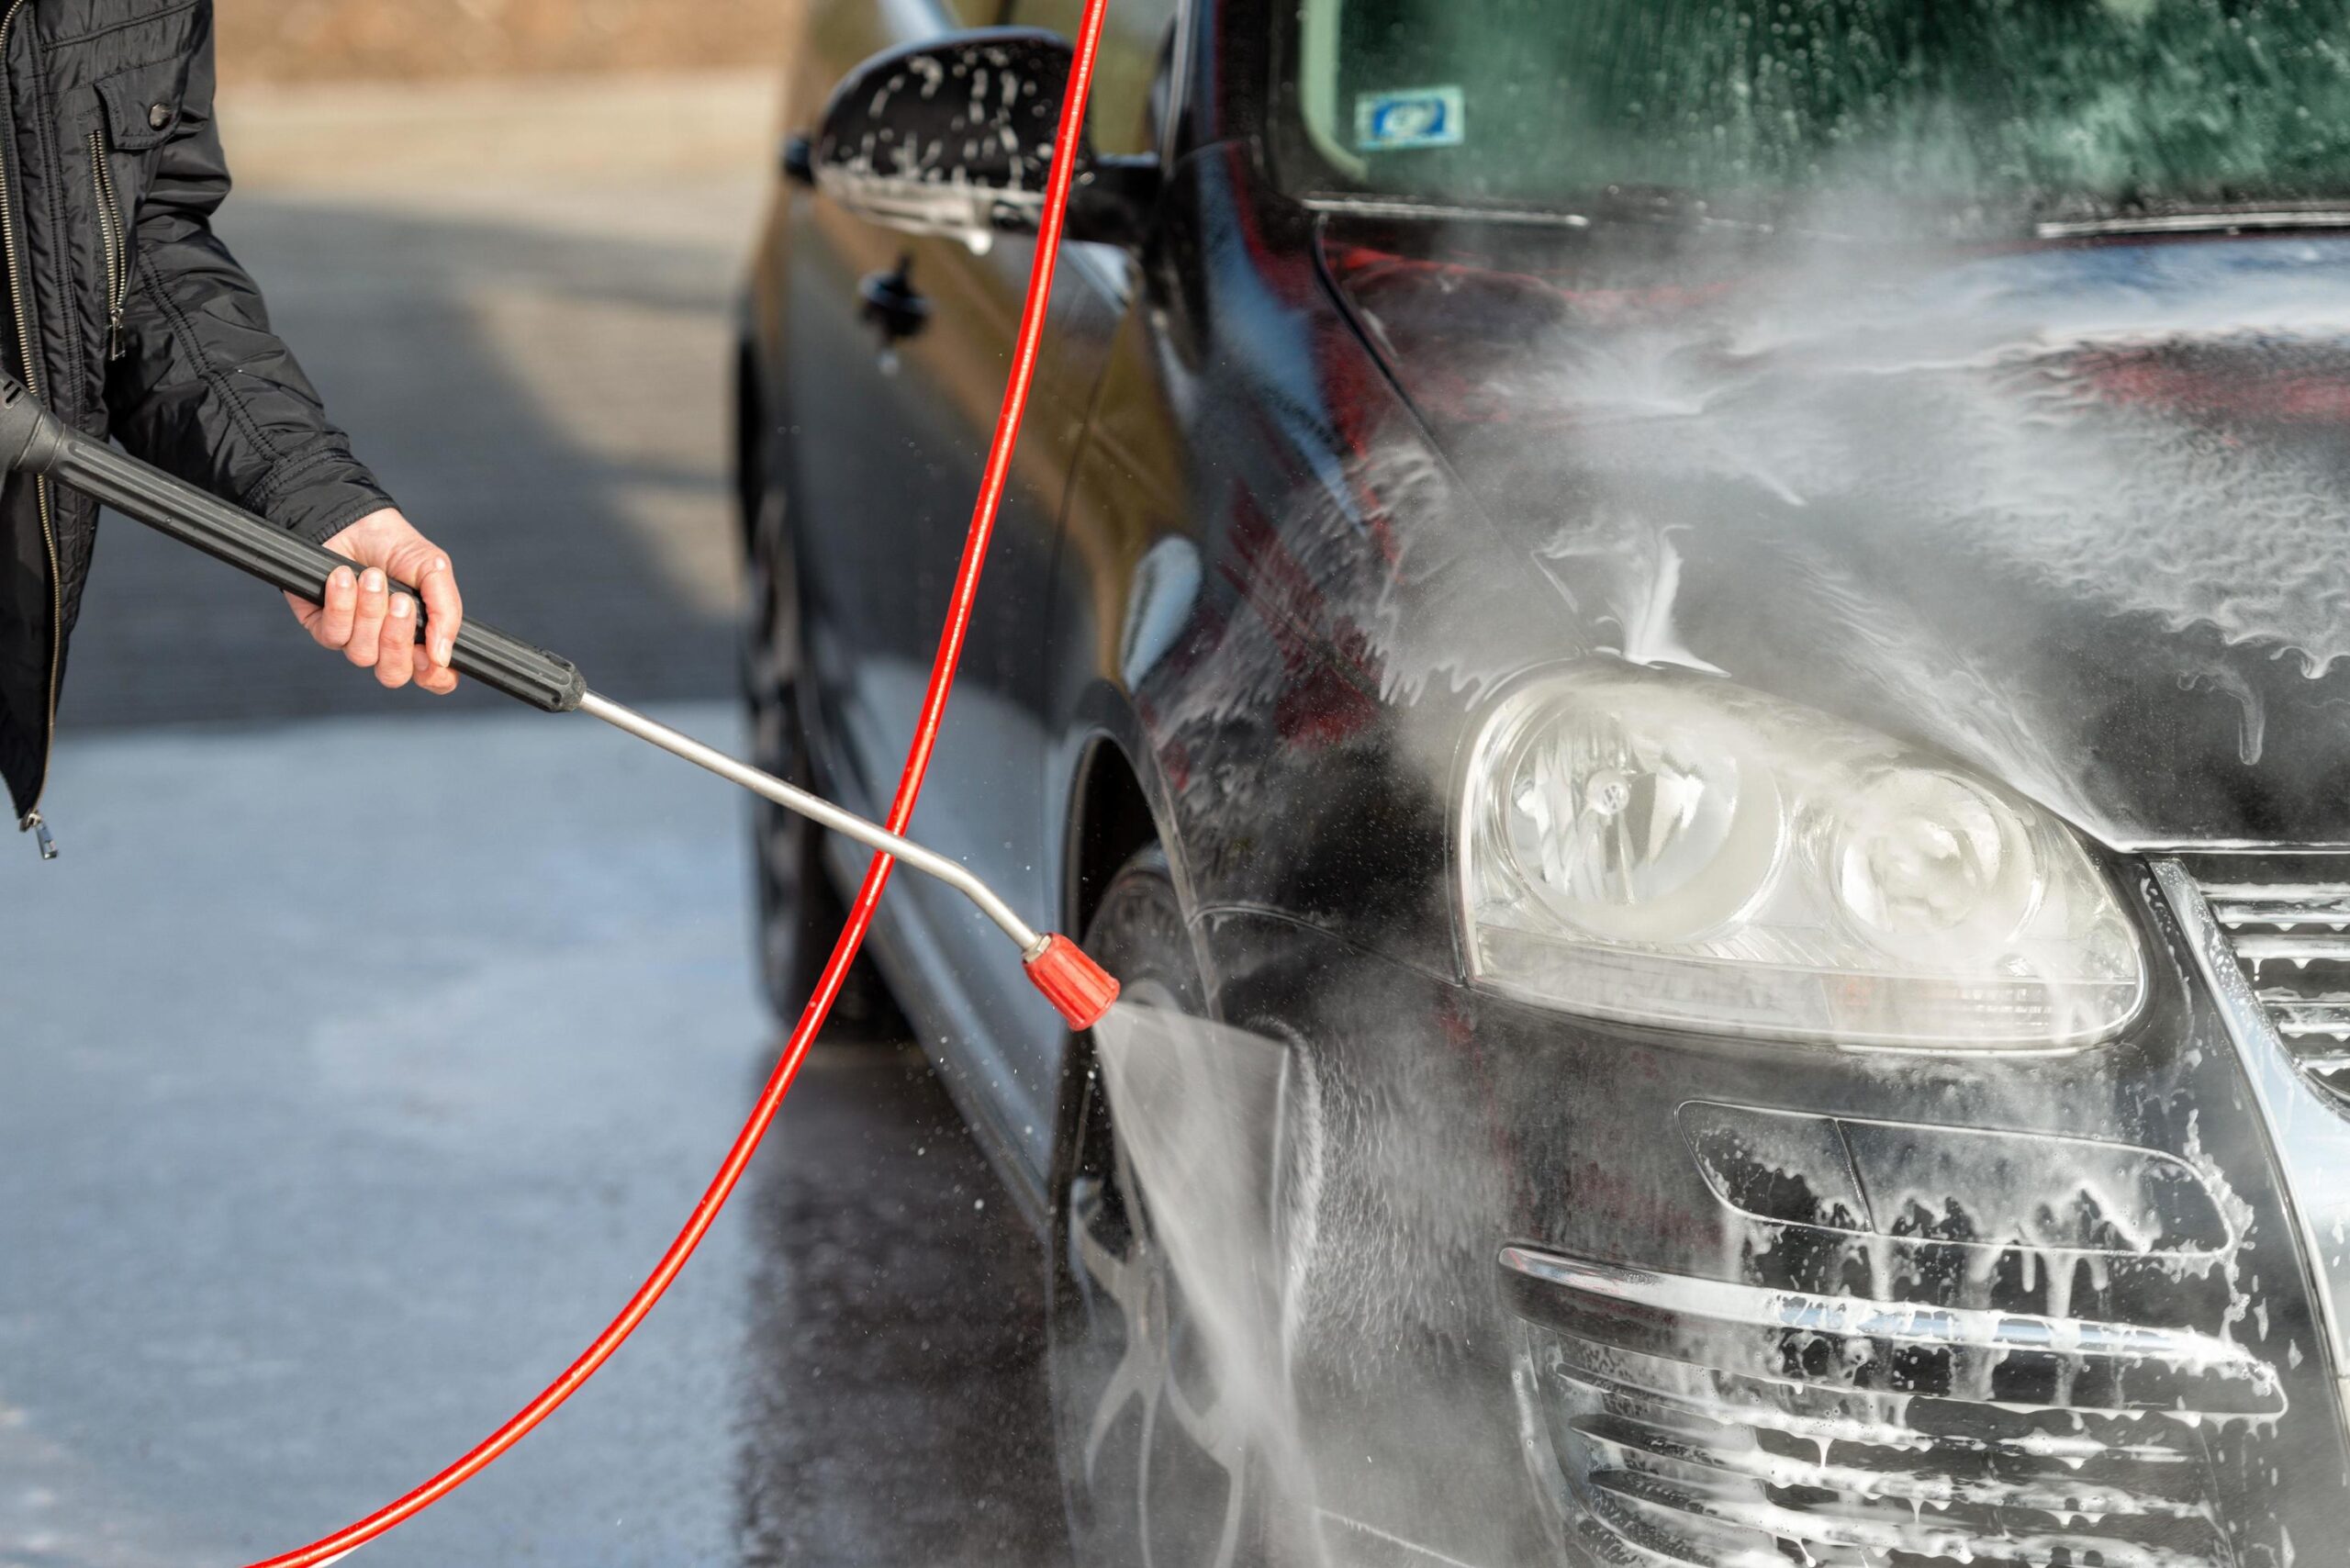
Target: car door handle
(890, 305)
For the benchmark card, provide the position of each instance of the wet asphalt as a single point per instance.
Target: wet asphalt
(361, 1053)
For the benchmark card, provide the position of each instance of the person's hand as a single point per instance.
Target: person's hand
(375, 627)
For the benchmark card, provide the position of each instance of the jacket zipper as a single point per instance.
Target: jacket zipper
(32, 821)
(118, 244)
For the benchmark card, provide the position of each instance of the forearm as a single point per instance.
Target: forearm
(203, 384)
(200, 384)
(205, 390)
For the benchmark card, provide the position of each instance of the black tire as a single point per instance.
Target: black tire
(799, 912)
(1142, 1490)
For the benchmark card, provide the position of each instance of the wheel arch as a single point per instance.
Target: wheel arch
(1111, 821)
(1116, 809)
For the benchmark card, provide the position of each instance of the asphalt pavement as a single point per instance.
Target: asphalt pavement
(362, 1050)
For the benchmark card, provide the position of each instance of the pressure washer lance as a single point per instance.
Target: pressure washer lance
(34, 440)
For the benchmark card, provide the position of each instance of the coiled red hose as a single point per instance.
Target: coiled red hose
(877, 877)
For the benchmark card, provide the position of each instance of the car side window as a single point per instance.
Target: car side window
(1133, 40)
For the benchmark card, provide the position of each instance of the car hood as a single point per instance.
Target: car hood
(2078, 517)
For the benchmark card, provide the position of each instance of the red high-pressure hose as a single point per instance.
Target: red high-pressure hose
(877, 877)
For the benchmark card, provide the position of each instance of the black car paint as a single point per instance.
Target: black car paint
(1275, 538)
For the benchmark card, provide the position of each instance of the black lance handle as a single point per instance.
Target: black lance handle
(34, 440)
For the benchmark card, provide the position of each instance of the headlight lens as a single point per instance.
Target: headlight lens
(1671, 850)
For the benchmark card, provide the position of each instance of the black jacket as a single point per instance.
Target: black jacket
(129, 318)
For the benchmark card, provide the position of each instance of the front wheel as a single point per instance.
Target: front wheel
(1156, 1462)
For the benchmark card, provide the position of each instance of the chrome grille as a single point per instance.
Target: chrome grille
(2288, 918)
(1692, 1424)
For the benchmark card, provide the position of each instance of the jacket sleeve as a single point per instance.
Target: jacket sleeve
(205, 388)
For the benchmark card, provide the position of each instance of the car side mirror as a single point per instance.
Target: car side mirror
(954, 135)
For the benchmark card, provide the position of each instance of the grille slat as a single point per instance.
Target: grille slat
(2281, 903)
(2316, 1061)
(1874, 1430)
(1633, 1443)
(2299, 948)
(1747, 1526)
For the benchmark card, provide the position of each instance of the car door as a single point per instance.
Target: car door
(889, 435)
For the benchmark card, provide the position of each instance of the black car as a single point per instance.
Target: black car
(1692, 658)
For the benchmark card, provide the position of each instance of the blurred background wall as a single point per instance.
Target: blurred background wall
(305, 40)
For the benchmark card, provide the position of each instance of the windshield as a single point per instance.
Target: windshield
(2057, 106)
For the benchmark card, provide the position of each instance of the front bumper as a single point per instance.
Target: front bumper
(1747, 1305)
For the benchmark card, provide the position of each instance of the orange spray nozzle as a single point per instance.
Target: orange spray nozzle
(1080, 989)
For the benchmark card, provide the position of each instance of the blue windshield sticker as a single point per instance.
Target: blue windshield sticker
(1414, 116)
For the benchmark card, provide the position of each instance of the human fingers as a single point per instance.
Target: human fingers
(373, 605)
(329, 620)
(445, 609)
(396, 656)
(432, 678)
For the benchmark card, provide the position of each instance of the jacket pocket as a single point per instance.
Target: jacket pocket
(142, 103)
(142, 107)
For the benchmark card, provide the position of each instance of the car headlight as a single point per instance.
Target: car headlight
(1679, 851)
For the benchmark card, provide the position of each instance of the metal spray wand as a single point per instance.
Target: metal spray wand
(34, 440)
